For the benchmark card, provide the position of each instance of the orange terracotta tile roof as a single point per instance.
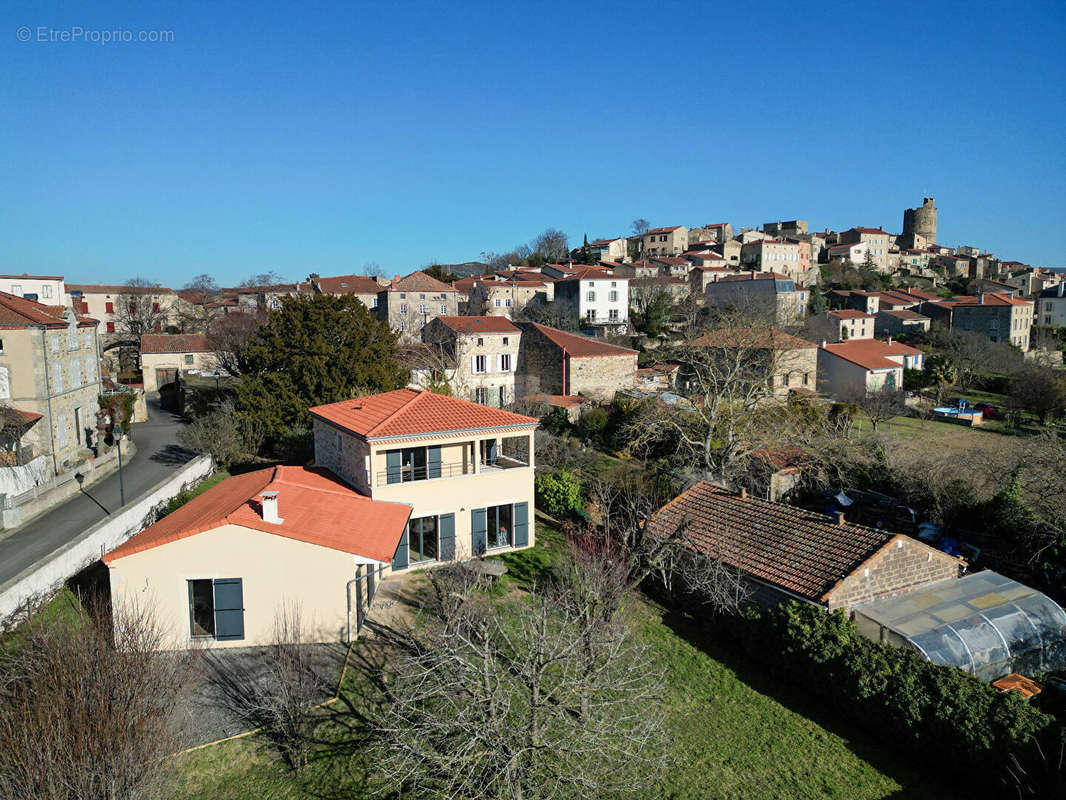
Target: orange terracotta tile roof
(411, 412)
(662, 230)
(988, 299)
(559, 400)
(756, 276)
(575, 345)
(315, 507)
(480, 324)
(850, 313)
(903, 313)
(175, 343)
(871, 353)
(800, 551)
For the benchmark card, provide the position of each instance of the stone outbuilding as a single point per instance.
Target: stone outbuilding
(555, 362)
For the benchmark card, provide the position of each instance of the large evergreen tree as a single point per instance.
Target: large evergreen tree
(313, 350)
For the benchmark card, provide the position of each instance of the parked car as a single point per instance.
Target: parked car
(987, 409)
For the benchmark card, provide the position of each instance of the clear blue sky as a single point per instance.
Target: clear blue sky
(320, 137)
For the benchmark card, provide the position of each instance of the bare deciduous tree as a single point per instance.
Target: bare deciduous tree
(533, 698)
(229, 337)
(86, 707)
(218, 434)
(880, 405)
(728, 375)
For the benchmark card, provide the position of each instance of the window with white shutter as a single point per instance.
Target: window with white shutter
(57, 376)
(505, 362)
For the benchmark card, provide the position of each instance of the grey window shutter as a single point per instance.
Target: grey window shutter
(479, 525)
(490, 451)
(394, 466)
(229, 609)
(521, 524)
(399, 561)
(447, 537)
(433, 461)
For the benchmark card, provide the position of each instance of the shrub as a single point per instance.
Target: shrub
(558, 493)
(938, 711)
(593, 424)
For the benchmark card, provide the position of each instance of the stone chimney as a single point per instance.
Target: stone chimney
(270, 508)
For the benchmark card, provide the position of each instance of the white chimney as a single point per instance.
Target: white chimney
(270, 508)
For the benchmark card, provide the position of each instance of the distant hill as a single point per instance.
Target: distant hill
(466, 269)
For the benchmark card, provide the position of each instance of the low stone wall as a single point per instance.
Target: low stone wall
(48, 574)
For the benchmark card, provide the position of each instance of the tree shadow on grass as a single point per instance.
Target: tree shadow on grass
(922, 779)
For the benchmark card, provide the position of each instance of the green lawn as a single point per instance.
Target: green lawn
(211, 480)
(734, 736)
(62, 608)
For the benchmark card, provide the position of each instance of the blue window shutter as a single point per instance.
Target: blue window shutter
(521, 524)
(394, 466)
(447, 537)
(229, 609)
(479, 525)
(399, 561)
(433, 461)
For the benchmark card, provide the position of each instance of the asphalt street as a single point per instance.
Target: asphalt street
(158, 454)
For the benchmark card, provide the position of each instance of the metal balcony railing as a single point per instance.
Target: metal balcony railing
(408, 473)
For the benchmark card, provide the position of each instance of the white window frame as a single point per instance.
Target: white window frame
(483, 364)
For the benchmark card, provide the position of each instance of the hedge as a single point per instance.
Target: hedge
(940, 712)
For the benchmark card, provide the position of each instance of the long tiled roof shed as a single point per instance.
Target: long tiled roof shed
(801, 554)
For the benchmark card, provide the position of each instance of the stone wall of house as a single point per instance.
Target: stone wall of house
(902, 565)
(599, 377)
(343, 454)
(540, 364)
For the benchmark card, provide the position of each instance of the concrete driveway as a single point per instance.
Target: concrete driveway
(158, 455)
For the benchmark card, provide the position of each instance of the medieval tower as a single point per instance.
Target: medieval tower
(921, 221)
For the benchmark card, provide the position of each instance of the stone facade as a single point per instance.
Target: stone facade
(53, 370)
(483, 362)
(921, 221)
(901, 565)
(411, 302)
(559, 363)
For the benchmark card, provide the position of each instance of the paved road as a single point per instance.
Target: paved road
(158, 454)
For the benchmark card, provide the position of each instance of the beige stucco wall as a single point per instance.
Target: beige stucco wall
(276, 572)
(453, 493)
(150, 362)
(844, 380)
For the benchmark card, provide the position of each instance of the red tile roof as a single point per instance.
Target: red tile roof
(756, 338)
(418, 282)
(35, 277)
(575, 345)
(871, 353)
(662, 230)
(480, 324)
(903, 313)
(93, 288)
(18, 312)
(18, 419)
(601, 242)
(988, 299)
(800, 551)
(868, 230)
(349, 284)
(410, 412)
(559, 400)
(671, 260)
(175, 343)
(850, 313)
(756, 276)
(315, 507)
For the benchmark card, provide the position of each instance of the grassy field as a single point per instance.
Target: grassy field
(734, 737)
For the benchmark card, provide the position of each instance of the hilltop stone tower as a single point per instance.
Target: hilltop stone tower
(921, 221)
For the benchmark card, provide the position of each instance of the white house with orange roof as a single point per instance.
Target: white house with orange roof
(219, 570)
(851, 369)
(850, 323)
(47, 289)
(595, 297)
(465, 470)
